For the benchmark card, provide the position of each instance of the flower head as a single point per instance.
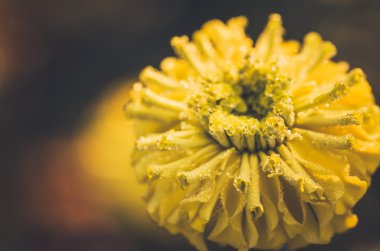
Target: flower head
(254, 145)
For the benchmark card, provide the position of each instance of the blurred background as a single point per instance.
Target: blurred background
(65, 70)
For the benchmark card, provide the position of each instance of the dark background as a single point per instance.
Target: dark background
(56, 59)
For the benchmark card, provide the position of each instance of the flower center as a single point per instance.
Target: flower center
(252, 112)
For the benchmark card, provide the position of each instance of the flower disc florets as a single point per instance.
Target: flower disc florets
(254, 146)
(252, 112)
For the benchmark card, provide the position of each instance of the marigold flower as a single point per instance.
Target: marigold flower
(254, 145)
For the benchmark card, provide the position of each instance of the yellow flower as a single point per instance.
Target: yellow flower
(104, 155)
(254, 145)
